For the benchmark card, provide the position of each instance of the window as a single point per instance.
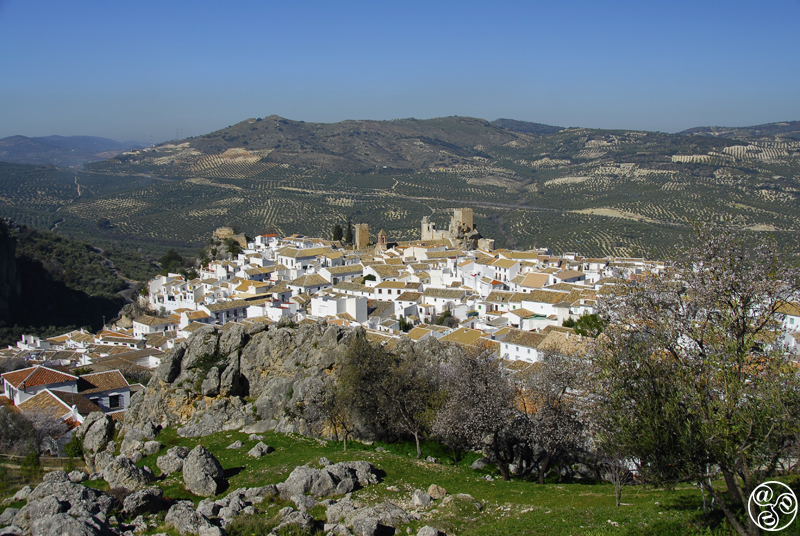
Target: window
(115, 401)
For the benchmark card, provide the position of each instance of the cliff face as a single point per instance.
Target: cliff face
(253, 377)
(10, 287)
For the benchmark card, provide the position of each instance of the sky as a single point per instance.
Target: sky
(164, 69)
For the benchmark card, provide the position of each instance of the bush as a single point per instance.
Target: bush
(74, 449)
(31, 467)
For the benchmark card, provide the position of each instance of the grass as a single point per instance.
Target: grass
(515, 507)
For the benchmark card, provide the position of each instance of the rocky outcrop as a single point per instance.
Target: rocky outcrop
(203, 385)
(59, 502)
(202, 472)
(335, 479)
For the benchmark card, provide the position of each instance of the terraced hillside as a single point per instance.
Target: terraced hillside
(598, 192)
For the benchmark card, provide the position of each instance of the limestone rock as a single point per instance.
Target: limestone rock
(421, 499)
(172, 461)
(386, 513)
(183, 518)
(202, 472)
(430, 531)
(146, 501)
(78, 476)
(95, 432)
(235, 445)
(436, 492)
(22, 494)
(259, 450)
(8, 515)
(123, 473)
(304, 503)
(151, 447)
(480, 463)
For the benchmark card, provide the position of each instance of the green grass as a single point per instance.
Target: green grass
(515, 507)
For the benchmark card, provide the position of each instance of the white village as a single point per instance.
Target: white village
(452, 285)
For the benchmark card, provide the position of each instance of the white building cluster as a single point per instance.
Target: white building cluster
(492, 295)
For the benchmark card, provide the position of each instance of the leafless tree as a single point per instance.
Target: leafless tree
(551, 400)
(48, 429)
(479, 411)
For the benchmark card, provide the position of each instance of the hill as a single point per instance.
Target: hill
(599, 192)
(53, 283)
(61, 150)
(789, 130)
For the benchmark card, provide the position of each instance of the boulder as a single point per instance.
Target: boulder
(56, 476)
(290, 517)
(123, 473)
(66, 525)
(436, 492)
(95, 432)
(255, 437)
(421, 499)
(304, 503)
(202, 472)
(235, 445)
(339, 511)
(78, 476)
(367, 526)
(184, 519)
(386, 513)
(102, 459)
(259, 450)
(151, 447)
(208, 508)
(172, 461)
(130, 445)
(302, 480)
(146, 501)
(8, 515)
(480, 463)
(430, 531)
(431, 459)
(22, 494)
(210, 386)
(11, 530)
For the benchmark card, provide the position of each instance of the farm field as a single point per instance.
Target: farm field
(592, 191)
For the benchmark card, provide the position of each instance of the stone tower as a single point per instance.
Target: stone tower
(382, 240)
(361, 235)
(462, 218)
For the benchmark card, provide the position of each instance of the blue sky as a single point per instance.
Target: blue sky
(132, 70)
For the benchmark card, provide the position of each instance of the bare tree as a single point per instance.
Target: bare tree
(48, 429)
(478, 411)
(551, 403)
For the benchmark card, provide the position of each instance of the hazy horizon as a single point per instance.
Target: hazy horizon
(136, 71)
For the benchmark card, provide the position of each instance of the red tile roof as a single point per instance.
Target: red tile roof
(101, 381)
(37, 375)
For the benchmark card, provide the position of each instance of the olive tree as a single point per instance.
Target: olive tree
(690, 374)
(396, 393)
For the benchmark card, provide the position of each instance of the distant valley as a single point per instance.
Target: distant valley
(63, 151)
(598, 192)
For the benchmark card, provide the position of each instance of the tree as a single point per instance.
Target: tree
(171, 262)
(551, 406)
(587, 325)
(690, 373)
(396, 393)
(348, 237)
(338, 232)
(478, 411)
